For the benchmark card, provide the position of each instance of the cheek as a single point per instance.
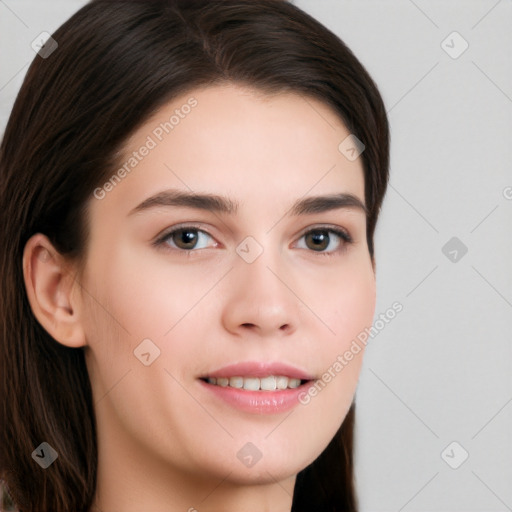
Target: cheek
(143, 298)
(346, 302)
(353, 306)
(347, 307)
(136, 299)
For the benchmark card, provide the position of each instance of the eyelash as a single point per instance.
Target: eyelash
(345, 237)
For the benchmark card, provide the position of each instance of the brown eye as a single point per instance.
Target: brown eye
(317, 240)
(320, 239)
(186, 238)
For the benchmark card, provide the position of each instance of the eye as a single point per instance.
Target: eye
(188, 238)
(185, 238)
(319, 239)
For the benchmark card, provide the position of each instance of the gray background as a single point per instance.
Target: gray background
(441, 370)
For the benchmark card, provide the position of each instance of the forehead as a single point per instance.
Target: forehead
(235, 139)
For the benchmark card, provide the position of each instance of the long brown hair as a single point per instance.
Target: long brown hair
(116, 63)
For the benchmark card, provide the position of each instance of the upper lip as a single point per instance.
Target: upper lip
(260, 369)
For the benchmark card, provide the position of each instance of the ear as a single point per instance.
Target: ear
(49, 282)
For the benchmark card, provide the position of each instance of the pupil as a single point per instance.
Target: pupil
(187, 236)
(320, 237)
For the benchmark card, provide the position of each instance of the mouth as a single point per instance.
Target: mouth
(257, 387)
(250, 383)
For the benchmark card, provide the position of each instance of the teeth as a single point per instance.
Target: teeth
(236, 382)
(282, 382)
(252, 383)
(294, 383)
(270, 383)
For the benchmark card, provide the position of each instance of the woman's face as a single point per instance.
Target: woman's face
(255, 278)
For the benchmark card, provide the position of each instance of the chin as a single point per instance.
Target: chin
(265, 467)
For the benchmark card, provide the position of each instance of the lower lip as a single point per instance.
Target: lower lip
(259, 402)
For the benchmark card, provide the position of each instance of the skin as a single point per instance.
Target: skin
(164, 443)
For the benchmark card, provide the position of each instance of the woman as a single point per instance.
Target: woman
(189, 193)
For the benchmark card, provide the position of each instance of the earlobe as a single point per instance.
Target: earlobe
(49, 282)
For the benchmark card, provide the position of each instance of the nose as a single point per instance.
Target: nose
(259, 298)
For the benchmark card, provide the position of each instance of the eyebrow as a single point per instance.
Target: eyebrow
(222, 204)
